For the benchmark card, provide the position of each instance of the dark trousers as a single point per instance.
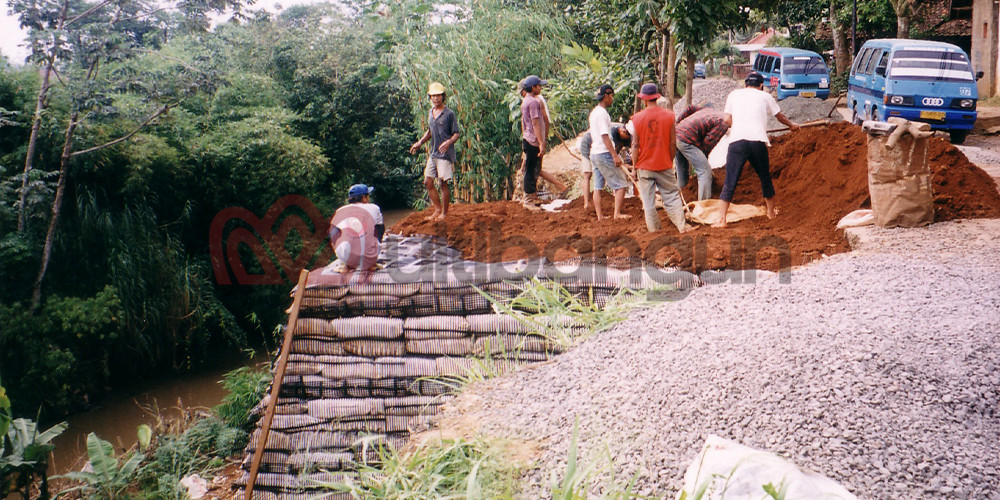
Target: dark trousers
(531, 167)
(739, 153)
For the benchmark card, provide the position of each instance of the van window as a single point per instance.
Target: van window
(805, 65)
(883, 61)
(870, 66)
(768, 64)
(863, 62)
(859, 63)
(932, 64)
(777, 64)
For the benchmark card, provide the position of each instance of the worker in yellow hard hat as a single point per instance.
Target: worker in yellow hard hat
(443, 131)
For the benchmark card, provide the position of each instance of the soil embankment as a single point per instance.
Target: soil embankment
(820, 175)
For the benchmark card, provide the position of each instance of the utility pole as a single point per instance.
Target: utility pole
(854, 29)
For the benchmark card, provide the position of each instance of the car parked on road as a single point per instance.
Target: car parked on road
(699, 70)
(793, 72)
(919, 80)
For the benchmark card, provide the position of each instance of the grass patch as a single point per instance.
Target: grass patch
(550, 310)
(450, 468)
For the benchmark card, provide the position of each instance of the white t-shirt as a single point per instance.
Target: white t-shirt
(358, 248)
(750, 109)
(600, 125)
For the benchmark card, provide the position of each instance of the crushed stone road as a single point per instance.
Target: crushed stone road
(878, 368)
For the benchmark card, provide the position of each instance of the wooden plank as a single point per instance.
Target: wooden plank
(279, 375)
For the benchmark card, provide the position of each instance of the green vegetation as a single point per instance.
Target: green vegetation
(106, 477)
(448, 468)
(24, 452)
(245, 388)
(550, 310)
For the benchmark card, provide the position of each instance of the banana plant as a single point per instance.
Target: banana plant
(25, 455)
(103, 477)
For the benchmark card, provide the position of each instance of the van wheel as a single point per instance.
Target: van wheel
(958, 136)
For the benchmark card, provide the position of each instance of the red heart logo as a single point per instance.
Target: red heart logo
(267, 245)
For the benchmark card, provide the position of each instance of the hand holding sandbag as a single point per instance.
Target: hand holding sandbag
(903, 126)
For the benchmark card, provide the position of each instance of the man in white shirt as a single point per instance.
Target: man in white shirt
(603, 155)
(746, 113)
(356, 230)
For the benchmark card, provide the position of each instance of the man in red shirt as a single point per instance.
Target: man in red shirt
(653, 149)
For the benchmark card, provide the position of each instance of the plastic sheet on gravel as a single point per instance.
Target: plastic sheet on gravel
(877, 368)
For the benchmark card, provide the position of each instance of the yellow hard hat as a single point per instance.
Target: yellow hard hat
(435, 89)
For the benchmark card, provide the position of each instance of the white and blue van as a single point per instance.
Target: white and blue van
(919, 80)
(793, 72)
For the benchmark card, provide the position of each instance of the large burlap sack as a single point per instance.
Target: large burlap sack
(899, 182)
(708, 211)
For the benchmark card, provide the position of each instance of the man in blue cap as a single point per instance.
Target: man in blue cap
(356, 230)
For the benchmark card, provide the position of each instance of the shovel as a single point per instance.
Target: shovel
(814, 123)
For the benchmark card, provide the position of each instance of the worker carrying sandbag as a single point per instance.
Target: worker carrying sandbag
(899, 179)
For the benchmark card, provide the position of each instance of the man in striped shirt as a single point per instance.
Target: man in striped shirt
(698, 131)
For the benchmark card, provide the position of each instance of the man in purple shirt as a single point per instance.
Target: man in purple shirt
(532, 134)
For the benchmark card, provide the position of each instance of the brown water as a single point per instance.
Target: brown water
(391, 217)
(118, 417)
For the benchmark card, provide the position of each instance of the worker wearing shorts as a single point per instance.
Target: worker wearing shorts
(442, 132)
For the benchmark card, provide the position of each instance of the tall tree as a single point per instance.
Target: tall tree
(905, 10)
(77, 42)
(695, 24)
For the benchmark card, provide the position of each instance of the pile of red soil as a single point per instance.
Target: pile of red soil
(820, 175)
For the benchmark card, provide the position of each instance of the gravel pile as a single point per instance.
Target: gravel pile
(800, 109)
(878, 368)
(805, 109)
(711, 93)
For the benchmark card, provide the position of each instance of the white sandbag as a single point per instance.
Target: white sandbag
(717, 158)
(728, 470)
(857, 218)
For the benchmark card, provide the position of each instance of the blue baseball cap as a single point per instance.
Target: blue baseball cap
(533, 80)
(359, 190)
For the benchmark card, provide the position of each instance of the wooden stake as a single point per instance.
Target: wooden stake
(279, 375)
(834, 108)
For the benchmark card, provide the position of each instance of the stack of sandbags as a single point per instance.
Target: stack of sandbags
(373, 358)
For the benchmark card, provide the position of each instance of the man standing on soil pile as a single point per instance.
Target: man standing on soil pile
(621, 137)
(698, 131)
(603, 155)
(746, 113)
(533, 136)
(443, 132)
(560, 186)
(653, 149)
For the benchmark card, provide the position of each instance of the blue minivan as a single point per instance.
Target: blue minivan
(790, 72)
(919, 80)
